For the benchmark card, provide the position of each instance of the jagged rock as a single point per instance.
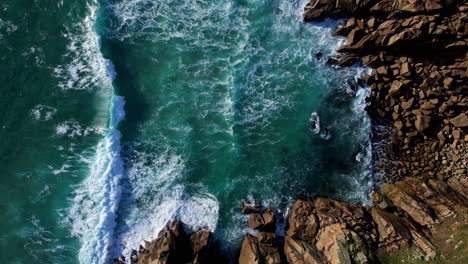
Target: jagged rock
(301, 252)
(340, 245)
(407, 105)
(163, 249)
(440, 205)
(255, 221)
(443, 189)
(269, 220)
(302, 221)
(422, 122)
(460, 186)
(249, 253)
(173, 245)
(200, 242)
(395, 87)
(354, 217)
(248, 208)
(268, 248)
(460, 121)
(424, 244)
(262, 249)
(393, 231)
(417, 210)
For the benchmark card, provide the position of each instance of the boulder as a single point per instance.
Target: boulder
(301, 252)
(395, 87)
(302, 222)
(342, 246)
(393, 231)
(249, 253)
(416, 209)
(261, 249)
(268, 248)
(459, 185)
(460, 121)
(269, 220)
(200, 243)
(353, 217)
(422, 122)
(164, 249)
(255, 221)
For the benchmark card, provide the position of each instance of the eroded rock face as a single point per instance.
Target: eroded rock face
(174, 245)
(300, 252)
(303, 223)
(418, 52)
(263, 247)
(164, 248)
(393, 231)
(329, 231)
(318, 10)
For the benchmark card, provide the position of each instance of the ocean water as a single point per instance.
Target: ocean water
(119, 115)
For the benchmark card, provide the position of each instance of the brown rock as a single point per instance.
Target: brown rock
(422, 122)
(331, 211)
(405, 70)
(199, 242)
(342, 246)
(164, 248)
(424, 244)
(407, 105)
(395, 87)
(393, 231)
(248, 208)
(460, 121)
(268, 248)
(301, 252)
(460, 186)
(354, 36)
(250, 253)
(269, 220)
(441, 136)
(418, 211)
(448, 82)
(302, 221)
(255, 221)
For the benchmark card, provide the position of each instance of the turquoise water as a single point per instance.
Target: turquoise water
(120, 115)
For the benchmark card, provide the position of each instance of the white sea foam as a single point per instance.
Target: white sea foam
(84, 67)
(153, 196)
(315, 123)
(74, 129)
(43, 112)
(93, 211)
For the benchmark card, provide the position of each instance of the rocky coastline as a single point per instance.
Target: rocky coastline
(418, 53)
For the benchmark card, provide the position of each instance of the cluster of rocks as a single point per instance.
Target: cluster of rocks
(263, 245)
(325, 230)
(418, 50)
(174, 245)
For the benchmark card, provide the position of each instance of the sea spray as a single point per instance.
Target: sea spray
(95, 205)
(92, 215)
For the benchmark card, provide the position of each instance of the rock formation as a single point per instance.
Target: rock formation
(324, 230)
(174, 245)
(418, 52)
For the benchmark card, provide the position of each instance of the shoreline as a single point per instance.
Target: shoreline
(418, 55)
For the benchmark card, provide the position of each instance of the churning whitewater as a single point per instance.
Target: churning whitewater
(208, 103)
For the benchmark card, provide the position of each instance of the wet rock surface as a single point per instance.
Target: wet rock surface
(418, 54)
(174, 245)
(325, 230)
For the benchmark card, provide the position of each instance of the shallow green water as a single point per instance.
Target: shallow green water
(217, 98)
